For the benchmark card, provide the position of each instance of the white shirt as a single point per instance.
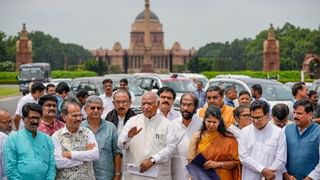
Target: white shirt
(3, 137)
(22, 101)
(77, 157)
(183, 136)
(235, 131)
(156, 140)
(172, 114)
(120, 124)
(107, 105)
(259, 149)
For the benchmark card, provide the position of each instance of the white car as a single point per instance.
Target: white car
(274, 91)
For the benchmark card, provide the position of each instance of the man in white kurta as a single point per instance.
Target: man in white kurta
(148, 141)
(166, 99)
(184, 128)
(107, 97)
(262, 146)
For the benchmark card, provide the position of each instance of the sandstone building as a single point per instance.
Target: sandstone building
(23, 48)
(271, 52)
(147, 52)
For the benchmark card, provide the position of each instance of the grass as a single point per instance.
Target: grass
(8, 91)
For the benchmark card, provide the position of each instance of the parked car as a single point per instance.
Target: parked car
(316, 86)
(94, 86)
(153, 82)
(56, 81)
(195, 77)
(274, 91)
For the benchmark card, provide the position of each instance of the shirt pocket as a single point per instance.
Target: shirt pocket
(106, 145)
(270, 148)
(160, 139)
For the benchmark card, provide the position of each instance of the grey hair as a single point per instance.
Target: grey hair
(150, 93)
(93, 99)
(65, 105)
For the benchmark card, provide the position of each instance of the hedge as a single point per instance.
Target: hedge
(284, 76)
(10, 77)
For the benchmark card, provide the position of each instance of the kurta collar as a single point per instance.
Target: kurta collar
(103, 123)
(305, 129)
(29, 134)
(66, 131)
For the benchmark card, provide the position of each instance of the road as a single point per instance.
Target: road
(9, 103)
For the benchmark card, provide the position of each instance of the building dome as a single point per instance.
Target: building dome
(153, 16)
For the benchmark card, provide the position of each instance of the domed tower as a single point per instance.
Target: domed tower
(271, 52)
(23, 48)
(140, 28)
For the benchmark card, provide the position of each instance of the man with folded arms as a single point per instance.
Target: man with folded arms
(75, 147)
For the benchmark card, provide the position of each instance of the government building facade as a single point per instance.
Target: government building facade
(146, 46)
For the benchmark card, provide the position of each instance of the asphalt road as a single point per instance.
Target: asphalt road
(9, 103)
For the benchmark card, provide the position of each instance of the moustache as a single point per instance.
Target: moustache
(34, 124)
(187, 115)
(121, 109)
(77, 121)
(54, 111)
(165, 102)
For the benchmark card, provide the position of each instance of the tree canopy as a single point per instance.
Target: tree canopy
(247, 54)
(45, 49)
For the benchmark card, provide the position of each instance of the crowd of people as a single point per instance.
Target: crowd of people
(237, 135)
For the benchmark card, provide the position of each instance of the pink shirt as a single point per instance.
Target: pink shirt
(50, 129)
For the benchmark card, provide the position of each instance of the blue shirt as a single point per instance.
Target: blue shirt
(107, 139)
(27, 157)
(201, 95)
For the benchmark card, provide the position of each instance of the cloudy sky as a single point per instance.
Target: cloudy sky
(193, 23)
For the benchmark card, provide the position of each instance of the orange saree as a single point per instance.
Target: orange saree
(216, 147)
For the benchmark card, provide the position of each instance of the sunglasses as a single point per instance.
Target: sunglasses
(95, 107)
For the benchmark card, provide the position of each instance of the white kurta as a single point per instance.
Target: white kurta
(173, 114)
(107, 105)
(183, 135)
(259, 149)
(156, 140)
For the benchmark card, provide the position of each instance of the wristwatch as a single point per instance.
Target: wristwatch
(152, 160)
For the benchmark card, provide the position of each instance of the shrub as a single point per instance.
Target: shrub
(72, 74)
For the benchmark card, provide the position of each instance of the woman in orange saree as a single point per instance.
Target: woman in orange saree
(218, 146)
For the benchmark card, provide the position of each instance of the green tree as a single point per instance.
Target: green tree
(7, 66)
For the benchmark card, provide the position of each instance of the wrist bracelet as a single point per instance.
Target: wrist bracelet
(117, 174)
(221, 164)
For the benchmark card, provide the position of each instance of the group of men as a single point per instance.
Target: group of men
(112, 142)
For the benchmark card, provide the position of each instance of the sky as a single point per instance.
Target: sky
(194, 23)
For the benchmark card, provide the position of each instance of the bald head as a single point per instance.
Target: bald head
(5, 121)
(149, 104)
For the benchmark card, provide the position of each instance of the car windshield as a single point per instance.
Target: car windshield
(275, 92)
(180, 86)
(132, 87)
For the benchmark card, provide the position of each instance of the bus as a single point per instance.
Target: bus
(38, 71)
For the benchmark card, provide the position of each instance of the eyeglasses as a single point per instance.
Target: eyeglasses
(258, 118)
(7, 122)
(121, 102)
(213, 97)
(95, 107)
(245, 115)
(34, 118)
